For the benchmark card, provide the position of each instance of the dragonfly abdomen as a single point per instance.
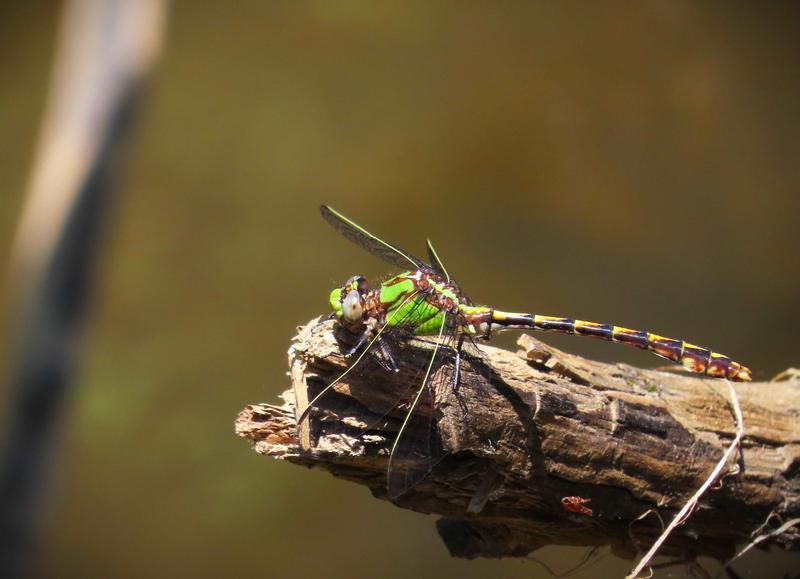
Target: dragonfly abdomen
(693, 358)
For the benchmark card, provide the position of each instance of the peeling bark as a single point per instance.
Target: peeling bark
(546, 429)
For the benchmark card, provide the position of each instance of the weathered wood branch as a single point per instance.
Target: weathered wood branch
(545, 426)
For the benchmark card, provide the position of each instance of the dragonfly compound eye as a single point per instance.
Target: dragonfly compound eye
(352, 307)
(335, 300)
(357, 282)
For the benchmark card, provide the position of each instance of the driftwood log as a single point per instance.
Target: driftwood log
(548, 430)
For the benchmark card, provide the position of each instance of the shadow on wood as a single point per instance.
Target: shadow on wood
(548, 431)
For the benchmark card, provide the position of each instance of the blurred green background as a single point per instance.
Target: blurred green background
(633, 163)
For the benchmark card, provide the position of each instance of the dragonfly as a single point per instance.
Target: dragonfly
(425, 302)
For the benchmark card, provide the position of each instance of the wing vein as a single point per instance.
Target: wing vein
(372, 243)
(414, 404)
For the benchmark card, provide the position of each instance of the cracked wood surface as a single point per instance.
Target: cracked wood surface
(530, 429)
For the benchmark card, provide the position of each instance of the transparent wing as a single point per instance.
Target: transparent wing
(435, 261)
(417, 448)
(375, 344)
(363, 238)
(377, 403)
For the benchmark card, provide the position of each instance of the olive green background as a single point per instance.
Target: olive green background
(634, 163)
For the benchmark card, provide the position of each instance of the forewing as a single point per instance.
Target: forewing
(436, 263)
(363, 238)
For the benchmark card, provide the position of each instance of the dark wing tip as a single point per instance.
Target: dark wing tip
(330, 215)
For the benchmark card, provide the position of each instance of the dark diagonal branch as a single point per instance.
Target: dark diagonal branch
(105, 50)
(558, 450)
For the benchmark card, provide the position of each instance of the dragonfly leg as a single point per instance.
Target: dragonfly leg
(457, 368)
(456, 353)
(363, 339)
(380, 352)
(383, 355)
(456, 380)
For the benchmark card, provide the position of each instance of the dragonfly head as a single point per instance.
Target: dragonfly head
(349, 302)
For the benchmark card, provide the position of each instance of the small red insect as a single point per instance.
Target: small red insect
(576, 505)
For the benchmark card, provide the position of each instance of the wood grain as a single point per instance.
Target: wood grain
(528, 429)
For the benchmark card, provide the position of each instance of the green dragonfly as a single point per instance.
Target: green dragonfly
(424, 301)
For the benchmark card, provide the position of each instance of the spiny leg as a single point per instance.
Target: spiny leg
(383, 355)
(329, 387)
(456, 379)
(363, 339)
(381, 352)
(456, 353)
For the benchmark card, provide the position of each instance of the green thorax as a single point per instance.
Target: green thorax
(419, 300)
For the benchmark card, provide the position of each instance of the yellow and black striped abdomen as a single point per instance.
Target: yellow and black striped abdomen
(694, 358)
